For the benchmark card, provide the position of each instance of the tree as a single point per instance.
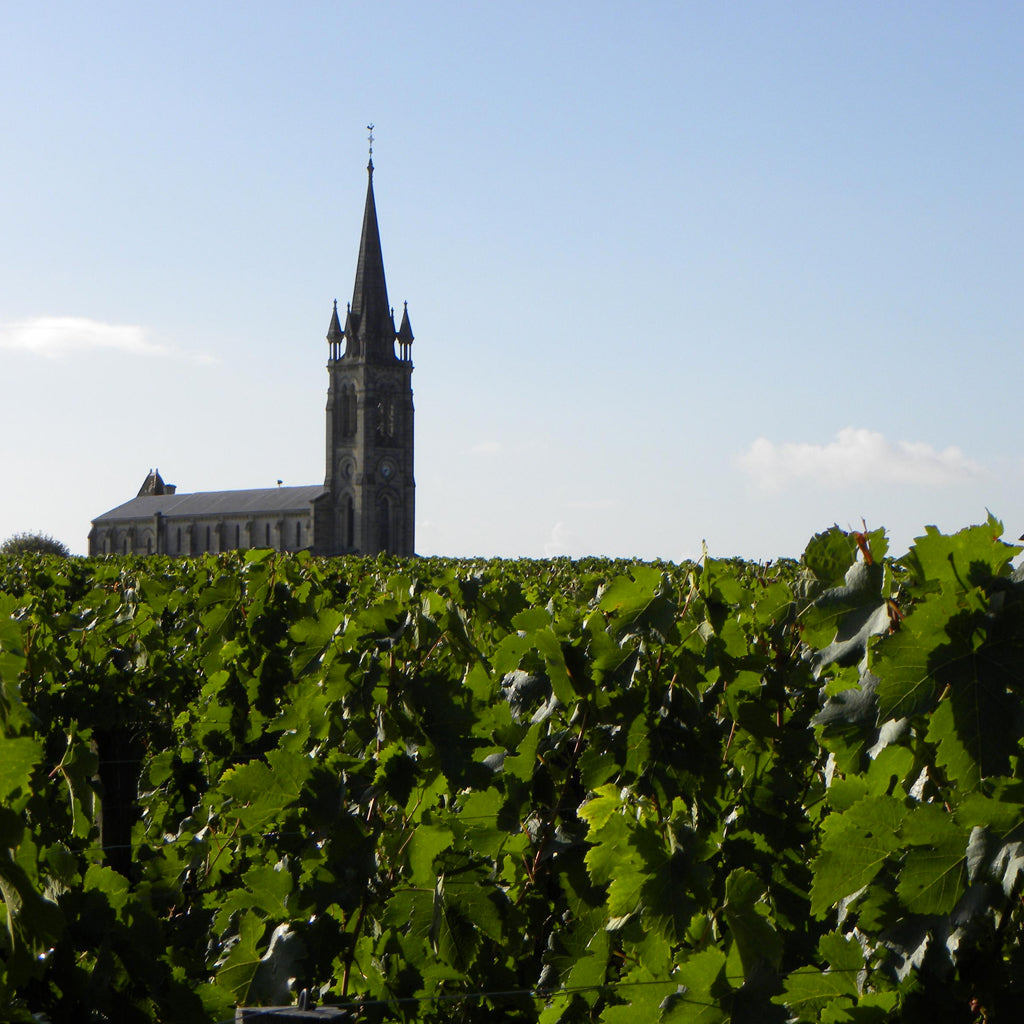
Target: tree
(33, 543)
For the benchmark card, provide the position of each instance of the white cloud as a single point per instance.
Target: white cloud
(53, 337)
(856, 456)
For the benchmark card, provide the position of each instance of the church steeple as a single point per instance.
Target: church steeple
(372, 503)
(370, 313)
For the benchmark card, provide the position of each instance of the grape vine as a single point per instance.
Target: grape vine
(434, 790)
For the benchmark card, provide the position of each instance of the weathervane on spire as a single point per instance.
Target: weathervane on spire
(369, 128)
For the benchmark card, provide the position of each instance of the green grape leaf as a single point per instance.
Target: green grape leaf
(626, 598)
(260, 792)
(644, 988)
(668, 894)
(31, 919)
(749, 921)
(847, 616)
(18, 758)
(1001, 810)
(239, 967)
(590, 968)
(856, 844)
(828, 555)
(910, 663)
(396, 772)
(530, 619)
(807, 989)
(600, 808)
(842, 953)
(977, 728)
(702, 976)
(452, 933)
(967, 559)
(426, 843)
(933, 876)
(111, 883)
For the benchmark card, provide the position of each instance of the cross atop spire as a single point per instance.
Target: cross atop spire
(369, 138)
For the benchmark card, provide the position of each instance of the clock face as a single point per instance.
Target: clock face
(387, 469)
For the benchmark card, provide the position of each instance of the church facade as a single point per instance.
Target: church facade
(367, 502)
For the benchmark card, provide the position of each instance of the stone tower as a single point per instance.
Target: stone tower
(370, 411)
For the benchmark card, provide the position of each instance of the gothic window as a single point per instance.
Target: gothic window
(208, 547)
(149, 544)
(266, 534)
(348, 411)
(348, 524)
(384, 524)
(298, 535)
(238, 534)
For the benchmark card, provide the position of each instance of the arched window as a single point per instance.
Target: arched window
(348, 524)
(238, 534)
(177, 549)
(208, 547)
(384, 524)
(298, 534)
(348, 411)
(266, 534)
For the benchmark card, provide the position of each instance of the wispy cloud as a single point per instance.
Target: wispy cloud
(55, 337)
(856, 456)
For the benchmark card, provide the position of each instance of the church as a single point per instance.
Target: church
(366, 504)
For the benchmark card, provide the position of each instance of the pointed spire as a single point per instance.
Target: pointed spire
(334, 332)
(370, 308)
(405, 336)
(405, 331)
(335, 335)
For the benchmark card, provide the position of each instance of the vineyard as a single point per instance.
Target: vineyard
(438, 790)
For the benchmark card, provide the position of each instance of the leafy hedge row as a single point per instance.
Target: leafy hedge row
(541, 791)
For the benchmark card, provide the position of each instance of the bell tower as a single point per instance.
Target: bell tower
(370, 410)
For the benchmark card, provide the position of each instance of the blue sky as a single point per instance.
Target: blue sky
(677, 271)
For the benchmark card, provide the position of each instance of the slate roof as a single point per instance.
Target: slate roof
(217, 503)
